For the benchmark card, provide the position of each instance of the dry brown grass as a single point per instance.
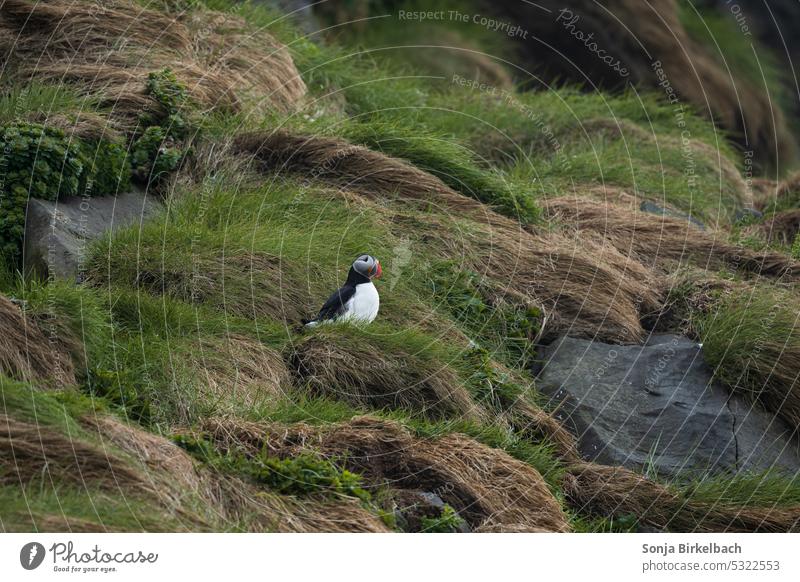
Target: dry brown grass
(201, 497)
(358, 373)
(259, 69)
(591, 289)
(662, 241)
(258, 510)
(107, 50)
(30, 452)
(238, 368)
(491, 490)
(607, 491)
(352, 167)
(26, 353)
(781, 227)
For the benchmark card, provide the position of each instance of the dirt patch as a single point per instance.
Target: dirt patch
(25, 352)
(491, 490)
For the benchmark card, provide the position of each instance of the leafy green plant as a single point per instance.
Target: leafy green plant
(38, 162)
(107, 168)
(300, 475)
(488, 384)
(158, 151)
(509, 329)
(448, 522)
(154, 155)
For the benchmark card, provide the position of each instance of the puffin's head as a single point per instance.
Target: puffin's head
(368, 266)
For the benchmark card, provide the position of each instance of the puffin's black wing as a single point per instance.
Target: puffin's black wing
(334, 306)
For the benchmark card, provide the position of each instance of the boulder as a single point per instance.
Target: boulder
(57, 232)
(657, 407)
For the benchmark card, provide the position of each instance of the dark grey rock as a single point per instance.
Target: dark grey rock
(657, 407)
(747, 214)
(57, 233)
(654, 208)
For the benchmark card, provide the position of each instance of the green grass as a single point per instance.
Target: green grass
(232, 251)
(22, 101)
(753, 341)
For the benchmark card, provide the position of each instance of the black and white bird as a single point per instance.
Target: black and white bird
(357, 300)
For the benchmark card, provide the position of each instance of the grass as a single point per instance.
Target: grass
(247, 255)
(720, 34)
(753, 343)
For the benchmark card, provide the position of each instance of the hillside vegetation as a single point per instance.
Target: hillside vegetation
(172, 389)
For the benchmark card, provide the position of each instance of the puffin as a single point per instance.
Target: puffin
(357, 300)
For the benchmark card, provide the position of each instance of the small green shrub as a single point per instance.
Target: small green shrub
(154, 155)
(157, 151)
(40, 161)
(37, 161)
(508, 329)
(173, 97)
(117, 388)
(301, 475)
(448, 522)
(107, 168)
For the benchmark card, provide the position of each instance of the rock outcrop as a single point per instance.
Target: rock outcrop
(57, 233)
(657, 407)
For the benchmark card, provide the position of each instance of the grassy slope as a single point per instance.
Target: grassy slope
(140, 327)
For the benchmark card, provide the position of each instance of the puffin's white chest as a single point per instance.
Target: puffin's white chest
(364, 304)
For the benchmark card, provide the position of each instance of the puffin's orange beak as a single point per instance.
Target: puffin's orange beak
(379, 271)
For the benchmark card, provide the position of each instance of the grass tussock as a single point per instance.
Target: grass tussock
(614, 491)
(489, 489)
(660, 241)
(120, 42)
(371, 174)
(240, 369)
(752, 340)
(26, 353)
(379, 374)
